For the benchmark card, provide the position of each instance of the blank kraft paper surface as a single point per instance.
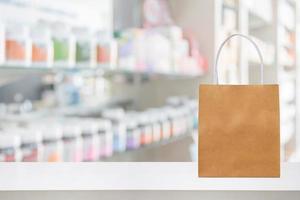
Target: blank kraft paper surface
(239, 131)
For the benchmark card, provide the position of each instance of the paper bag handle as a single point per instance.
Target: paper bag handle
(256, 47)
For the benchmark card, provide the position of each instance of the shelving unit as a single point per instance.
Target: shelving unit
(257, 21)
(229, 24)
(286, 63)
(275, 33)
(127, 75)
(265, 23)
(215, 20)
(102, 70)
(272, 25)
(162, 151)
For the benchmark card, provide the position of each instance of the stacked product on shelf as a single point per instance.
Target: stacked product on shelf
(72, 142)
(42, 46)
(84, 48)
(64, 45)
(133, 138)
(31, 146)
(162, 50)
(73, 139)
(96, 138)
(106, 49)
(159, 50)
(287, 73)
(17, 44)
(10, 148)
(54, 44)
(117, 117)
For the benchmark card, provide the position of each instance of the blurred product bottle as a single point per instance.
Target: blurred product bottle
(42, 46)
(72, 142)
(146, 129)
(63, 45)
(171, 118)
(133, 132)
(106, 49)
(126, 57)
(188, 117)
(61, 50)
(158, 51)
(180, 55)
(185, 113)
(196, 63)
(68, 90)
(182, 120)
(177, 113)
(52, 140)
(90, 139)
(117, 115)
(10, 147)
(179, 47)
(165, 124)
(156, 126)
(18, 45)
(192, 106)
(106, 137)
(139, 50)
(31, 143)
(83, 47)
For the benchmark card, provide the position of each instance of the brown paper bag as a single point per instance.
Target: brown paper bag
(239, 131)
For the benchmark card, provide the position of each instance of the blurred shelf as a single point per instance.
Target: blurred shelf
(151, 74)
(257, 21)
(81, 110)
(102, 69)
(259, 17)
(257, 62)
(131, 155)
(135, 176)
(46, 69)
(230, 7)
(260, 14)
(91, 110)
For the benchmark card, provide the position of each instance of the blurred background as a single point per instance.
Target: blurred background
(116, 80)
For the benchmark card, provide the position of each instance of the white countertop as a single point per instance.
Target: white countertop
(134, 176)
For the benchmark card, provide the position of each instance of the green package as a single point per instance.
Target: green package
(83, 51)
(61, 49)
